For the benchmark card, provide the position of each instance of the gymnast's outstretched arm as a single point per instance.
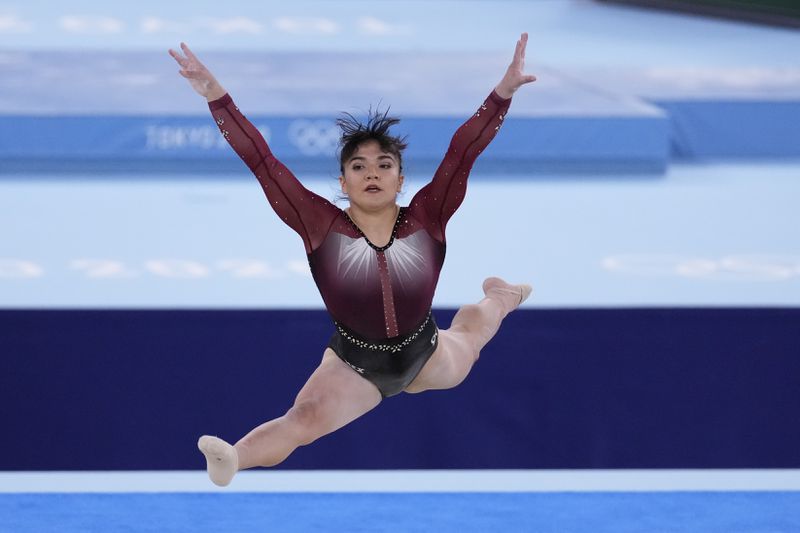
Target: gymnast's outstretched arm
(437, 202)
(304, 211)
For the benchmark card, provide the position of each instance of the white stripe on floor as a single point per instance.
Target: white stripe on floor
(407, 481)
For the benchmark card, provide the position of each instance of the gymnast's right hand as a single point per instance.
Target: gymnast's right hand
(198, 75)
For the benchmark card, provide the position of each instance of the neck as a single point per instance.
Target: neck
(373, 219)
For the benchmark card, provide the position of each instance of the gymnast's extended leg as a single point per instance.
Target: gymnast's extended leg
(473, 326)
(332, 397)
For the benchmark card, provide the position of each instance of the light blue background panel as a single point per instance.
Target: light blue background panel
(716, 234)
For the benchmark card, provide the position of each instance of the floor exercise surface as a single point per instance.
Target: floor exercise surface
(564, 512)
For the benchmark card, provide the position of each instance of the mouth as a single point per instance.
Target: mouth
(372, 188)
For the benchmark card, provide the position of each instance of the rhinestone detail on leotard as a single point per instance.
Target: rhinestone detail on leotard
(399, 219)
(378, 347)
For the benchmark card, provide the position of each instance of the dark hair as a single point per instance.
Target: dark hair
(354, 133)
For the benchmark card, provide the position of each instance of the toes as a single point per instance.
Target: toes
(504, 290)
(526, 292)
(212, 446)
(203, 443)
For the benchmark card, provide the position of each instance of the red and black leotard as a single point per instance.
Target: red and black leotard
(377, 293)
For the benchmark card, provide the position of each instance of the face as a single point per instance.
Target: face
(372, 177)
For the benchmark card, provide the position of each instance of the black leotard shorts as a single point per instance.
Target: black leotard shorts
(390, 364)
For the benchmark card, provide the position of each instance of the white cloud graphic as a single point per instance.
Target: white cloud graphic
(160, 25)
(13, 24)
(307, 25)
(376, 26)
(226, 26)
(90, 24)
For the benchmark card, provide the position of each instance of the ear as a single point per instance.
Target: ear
(342, 184)
(400, 182)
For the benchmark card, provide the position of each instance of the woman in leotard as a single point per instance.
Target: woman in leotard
(376, 265)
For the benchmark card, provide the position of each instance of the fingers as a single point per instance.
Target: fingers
(522, 43)
(519, 51)
(188, 52)
(183, 61)
(180, 59)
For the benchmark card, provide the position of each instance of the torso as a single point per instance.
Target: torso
(380, 291)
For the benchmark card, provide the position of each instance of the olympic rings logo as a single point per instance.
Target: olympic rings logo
(314, 137)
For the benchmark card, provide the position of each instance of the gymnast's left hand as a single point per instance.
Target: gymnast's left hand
(515, 76)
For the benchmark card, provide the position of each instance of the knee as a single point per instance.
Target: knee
(305, 418)
(477, 324)
(467, 318)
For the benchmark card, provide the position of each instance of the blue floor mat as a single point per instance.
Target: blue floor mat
(562, 512)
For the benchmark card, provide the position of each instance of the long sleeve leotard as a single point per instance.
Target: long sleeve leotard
(377, 292)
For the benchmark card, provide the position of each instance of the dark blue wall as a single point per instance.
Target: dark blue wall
(592, 388)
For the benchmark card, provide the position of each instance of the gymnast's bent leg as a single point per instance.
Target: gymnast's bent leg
(332, 397)
(473, 326)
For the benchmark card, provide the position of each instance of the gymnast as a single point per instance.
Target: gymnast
(376, 265)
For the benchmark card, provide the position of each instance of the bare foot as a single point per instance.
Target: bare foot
(511, 296)
(222, 461)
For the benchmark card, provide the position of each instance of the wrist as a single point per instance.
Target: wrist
(504, 92)
(215, 92)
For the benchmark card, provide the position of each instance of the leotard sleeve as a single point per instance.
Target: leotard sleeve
(309, 214)
(438, 200)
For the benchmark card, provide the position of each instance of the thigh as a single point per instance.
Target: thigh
(449, 364)
(337, 392)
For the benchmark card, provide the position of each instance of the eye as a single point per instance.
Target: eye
(357, 167)
(386, 165)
